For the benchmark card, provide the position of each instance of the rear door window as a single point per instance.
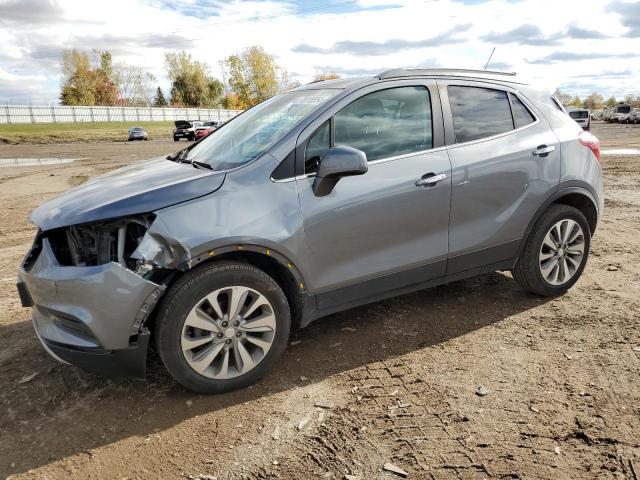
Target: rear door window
(479, 112)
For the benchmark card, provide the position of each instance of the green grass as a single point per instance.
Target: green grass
(79, 132)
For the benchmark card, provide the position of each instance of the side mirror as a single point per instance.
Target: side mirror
(336, 163)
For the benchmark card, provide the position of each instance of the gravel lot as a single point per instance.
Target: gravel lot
(470, 380)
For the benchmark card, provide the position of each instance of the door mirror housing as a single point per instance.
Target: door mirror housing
(338, 162)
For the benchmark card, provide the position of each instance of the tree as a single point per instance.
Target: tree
(564, 98)
(135, 86)
(87, 83)
(159, 100)
(191, 83)
(146, 88)
(611, 101)
(321, 76)
(576, 102)
(231, 102)
(254, 76)
(105, 86)
(593, 101)
(633, 100)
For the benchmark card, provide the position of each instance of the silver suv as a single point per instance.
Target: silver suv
(332, 195)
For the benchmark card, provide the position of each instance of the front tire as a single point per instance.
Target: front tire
(222, 327)
(555, 253)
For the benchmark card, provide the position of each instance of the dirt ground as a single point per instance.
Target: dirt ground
(400, 378)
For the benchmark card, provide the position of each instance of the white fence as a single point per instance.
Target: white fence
(10, 114)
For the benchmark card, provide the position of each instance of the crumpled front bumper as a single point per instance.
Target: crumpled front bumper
(90, 316)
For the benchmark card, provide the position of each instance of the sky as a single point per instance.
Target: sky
(580, 46)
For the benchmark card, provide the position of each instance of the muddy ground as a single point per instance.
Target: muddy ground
(400, 376)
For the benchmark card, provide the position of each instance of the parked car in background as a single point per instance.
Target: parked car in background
(617, 112)
(624, 118)
(205, 129)
(185, 129)
(581, 117)
(138, 133)
(634, 116)
(329, 196)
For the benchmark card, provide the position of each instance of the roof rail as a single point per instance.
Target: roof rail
(413, 72)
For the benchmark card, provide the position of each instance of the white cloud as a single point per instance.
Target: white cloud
(381, 34)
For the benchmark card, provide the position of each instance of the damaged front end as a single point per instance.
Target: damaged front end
(91, 293)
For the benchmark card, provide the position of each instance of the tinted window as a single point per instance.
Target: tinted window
(317, 145)
(521, 114)
(387, 123)
(579, 114)
(479, 112)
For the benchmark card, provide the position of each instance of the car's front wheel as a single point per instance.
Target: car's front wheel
(222, 326)
(555, 253)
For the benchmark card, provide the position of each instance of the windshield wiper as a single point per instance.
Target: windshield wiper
(198, 164)
(181, 157)
(178, 156)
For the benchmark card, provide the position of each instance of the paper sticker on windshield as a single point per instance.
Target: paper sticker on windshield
(312, 100)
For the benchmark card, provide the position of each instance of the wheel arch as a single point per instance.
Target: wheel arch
(273, 263)
(574, 196)
(278, 266)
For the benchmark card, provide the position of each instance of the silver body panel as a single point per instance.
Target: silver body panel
(106, 299)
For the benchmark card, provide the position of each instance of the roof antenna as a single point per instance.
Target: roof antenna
(488, 61)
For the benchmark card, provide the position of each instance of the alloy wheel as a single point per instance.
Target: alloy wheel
(228, 332)
(561, 252)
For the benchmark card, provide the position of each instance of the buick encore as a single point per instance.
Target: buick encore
(332, 195)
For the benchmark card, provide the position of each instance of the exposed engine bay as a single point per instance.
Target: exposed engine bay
(103, 242)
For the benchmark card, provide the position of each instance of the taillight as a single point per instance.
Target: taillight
(590, 141)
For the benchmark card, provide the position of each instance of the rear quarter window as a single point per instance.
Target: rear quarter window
(521, 114)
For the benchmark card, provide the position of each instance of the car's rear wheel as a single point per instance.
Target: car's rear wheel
(222, 327)
(555, 253)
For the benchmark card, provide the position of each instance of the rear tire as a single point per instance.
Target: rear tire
(208, 337)
(555, 253)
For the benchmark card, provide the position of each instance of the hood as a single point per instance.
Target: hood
(139, 188)
(182, 124)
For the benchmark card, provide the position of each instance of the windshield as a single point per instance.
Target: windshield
(623, 109)
(257, 129)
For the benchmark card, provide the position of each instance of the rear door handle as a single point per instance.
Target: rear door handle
(543, 150)
(430, 179)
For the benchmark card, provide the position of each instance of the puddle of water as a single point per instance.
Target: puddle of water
(621, 151)
(33, 162)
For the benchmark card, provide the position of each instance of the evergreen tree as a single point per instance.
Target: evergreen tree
(159, 100)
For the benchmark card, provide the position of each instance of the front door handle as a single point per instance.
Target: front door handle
(430, 179)
(543, 150)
